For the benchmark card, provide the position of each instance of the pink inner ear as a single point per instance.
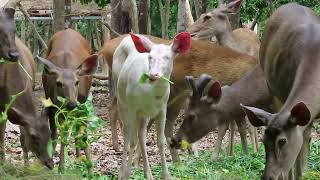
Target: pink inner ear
(138, 43)
(237, 5)
(182, 42)
(215, 90)
(302, 114)
(90, 65)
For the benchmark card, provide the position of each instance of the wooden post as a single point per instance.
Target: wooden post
(58, 15)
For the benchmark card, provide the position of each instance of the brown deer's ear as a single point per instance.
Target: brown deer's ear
(257, 117)
(88, 66)
(300, 114)
(52, 68)
(9, 12)
(141, 43)
(17, 117)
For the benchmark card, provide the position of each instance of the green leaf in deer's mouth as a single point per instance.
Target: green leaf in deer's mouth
(144, 77)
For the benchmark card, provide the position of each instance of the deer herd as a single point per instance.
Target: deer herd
(235, 81)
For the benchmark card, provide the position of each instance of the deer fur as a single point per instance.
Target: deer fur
(216, 23)
(139, 102)
(224, 64)
(290, 60)
(68, 73)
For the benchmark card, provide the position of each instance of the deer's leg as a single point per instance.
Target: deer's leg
(231, 138)
(88, 157)
(125, 152)
(253, 135)
(2, 134)
(161, 141)
(24, 146)
(242, 127)
(222, 129)
(172, 113)
(142, 140)
(193, 149)
(53, 128)
(62, 160)
(113, 123)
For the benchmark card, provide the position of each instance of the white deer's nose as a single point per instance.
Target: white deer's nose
(153, 76)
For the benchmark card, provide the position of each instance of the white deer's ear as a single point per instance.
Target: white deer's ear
(141, 43)
(181, 43)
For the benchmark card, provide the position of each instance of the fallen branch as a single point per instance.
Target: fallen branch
(32, 25)
(111, 29)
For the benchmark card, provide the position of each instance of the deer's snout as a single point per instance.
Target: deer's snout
(71, 105)
(153, 76)
(49, 164)
(13, 55)
(175, 143)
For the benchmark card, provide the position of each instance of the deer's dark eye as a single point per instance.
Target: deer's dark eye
(77, 83)
(282, 142)
(207, 17)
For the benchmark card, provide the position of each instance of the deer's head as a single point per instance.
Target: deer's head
(8, 49)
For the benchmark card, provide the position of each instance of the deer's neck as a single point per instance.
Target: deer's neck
(306, 86)
(227, 39)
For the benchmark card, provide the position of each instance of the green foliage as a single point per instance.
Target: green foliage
(76, 125)
(239, 166)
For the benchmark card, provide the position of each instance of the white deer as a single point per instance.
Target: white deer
(138, 101)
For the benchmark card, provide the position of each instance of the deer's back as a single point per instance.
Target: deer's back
(248, 41)
(291, 34)
(68, 49)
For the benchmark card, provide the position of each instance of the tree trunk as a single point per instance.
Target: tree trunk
(115, 17)
(201, 7)
(185, 18)
(134, 16)
(165, 15)
(144, 17)
(67, 20)
(58, 15)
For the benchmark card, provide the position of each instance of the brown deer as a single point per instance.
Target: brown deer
(216, 23)
(68, 73)
(204, 57)
(290, 59)
(35, 131)
(219, 106)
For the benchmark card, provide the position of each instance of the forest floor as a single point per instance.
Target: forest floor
(108, 160)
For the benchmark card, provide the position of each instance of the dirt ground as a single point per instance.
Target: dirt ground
(107, 159)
